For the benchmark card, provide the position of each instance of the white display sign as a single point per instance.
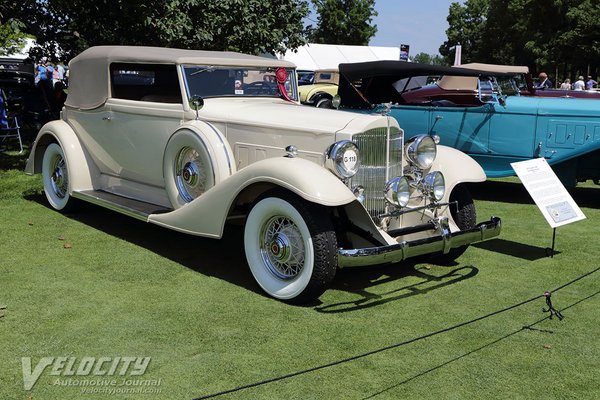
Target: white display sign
(548, 192)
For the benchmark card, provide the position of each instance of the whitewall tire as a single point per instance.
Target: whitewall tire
(291, 247)
(55, 176)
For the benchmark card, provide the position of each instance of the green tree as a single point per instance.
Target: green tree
(466, 26)
(256, 26)
(580, 45)
(12, 38)
(344, 22)
(425, 58)
(558, 36)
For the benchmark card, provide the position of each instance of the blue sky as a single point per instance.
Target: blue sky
(419, 23)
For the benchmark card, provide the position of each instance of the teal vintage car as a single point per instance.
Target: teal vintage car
(496, 127)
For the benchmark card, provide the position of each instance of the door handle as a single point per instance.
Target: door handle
(106, 118)
(438, 117)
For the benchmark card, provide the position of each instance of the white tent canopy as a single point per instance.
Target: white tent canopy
(315, 56)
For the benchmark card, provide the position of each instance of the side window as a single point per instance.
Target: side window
(145, 82)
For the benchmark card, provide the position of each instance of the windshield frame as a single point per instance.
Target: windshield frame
(236, 76)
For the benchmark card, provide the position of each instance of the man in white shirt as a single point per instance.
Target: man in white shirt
(579, 84)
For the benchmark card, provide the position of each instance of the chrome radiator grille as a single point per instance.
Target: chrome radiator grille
(381, 160)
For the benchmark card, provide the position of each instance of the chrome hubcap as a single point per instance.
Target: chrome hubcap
(190, 175)
(282, 247)
(59, 178)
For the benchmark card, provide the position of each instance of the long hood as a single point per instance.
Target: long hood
(553, 106)
(283, 115)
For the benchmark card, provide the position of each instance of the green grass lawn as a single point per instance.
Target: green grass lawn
(98, 284)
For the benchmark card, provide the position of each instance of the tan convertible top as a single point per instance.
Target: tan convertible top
(501, 69)
(89, 82)
(448, 82)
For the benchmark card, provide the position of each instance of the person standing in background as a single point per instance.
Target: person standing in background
(566, 85)
(579, 84)
(544, 83)
(44, 71)
(590, 83)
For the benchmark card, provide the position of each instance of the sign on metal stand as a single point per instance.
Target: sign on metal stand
(548, 193)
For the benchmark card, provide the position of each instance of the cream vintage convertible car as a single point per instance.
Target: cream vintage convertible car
(191, 139)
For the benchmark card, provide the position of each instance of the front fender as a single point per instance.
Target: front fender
(80, 166)
(457, 167)
(206, 215)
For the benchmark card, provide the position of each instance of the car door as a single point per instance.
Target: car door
(134, 125)
(513, 129)
(464, 128)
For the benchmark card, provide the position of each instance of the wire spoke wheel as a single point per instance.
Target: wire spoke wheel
(55, 176)
(282, 247)
(190, 174)
(59, 179)
(291, 247)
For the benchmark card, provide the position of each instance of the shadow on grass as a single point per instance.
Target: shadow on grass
(223, 259)
(13, 159)
(515, 192)
(516, 249)
(358, 280)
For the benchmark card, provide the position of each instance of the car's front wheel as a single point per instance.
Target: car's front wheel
(55, 176)
(291, 247)
(465, 217)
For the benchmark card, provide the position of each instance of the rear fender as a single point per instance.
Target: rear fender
(82, 170)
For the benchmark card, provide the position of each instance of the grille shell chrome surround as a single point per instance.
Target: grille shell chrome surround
(381, 151)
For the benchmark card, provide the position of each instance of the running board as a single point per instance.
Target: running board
(130, 207)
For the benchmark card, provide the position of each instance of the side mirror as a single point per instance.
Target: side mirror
(196, 104)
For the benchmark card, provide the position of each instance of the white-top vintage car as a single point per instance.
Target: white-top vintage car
(191, 139)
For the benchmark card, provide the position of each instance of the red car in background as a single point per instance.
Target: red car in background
(464, 90)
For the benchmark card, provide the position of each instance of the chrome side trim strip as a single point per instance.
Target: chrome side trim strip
(443, 242)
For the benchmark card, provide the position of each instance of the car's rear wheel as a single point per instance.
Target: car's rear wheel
(465, 217)
(324, 103)
(55, 176)
(291, 247)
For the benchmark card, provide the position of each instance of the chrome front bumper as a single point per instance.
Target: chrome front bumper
(442, 242)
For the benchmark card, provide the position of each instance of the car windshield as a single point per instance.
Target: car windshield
(211, 81)
(413, 82)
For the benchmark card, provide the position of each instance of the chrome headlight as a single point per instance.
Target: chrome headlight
(434, 185)
(421, 151)
(342, 158)
(397, 191)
